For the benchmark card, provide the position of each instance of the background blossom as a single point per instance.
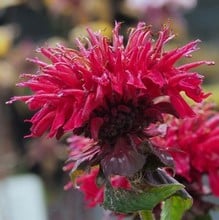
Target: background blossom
(194, 145)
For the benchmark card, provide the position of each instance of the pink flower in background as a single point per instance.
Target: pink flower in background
(194, 145)
(109, 93)
(148, 4)
(159, 11)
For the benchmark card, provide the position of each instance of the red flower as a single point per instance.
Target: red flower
(94, 195)
(194, 145)
(77, 85)
(111, 93)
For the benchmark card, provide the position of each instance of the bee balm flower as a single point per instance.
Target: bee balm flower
(108, 93)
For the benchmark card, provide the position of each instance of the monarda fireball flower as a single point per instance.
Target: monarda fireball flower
(194, 145)
(108, 94)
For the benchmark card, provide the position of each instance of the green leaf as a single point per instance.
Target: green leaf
(129, 201)
(146, 215)
(175, 207)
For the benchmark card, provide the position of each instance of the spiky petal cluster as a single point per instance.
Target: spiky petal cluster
(75, 83)
(194, 145)
(110, 93)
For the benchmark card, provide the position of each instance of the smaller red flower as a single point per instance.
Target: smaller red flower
(86, 183)
(94, 194)
(194, 145)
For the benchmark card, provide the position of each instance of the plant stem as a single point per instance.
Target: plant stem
(146, 215)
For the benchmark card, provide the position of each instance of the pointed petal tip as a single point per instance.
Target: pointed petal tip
(9, 102)
(198, 41)
(68, 186)
(210, 63)
(12, 100)
(29, 136)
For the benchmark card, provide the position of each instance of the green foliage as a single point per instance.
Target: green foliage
(129, 201)
(175, 207)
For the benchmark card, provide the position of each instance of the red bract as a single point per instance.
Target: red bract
(194, 145)
(110, 93)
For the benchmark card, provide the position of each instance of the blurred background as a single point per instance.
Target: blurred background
(31, 176)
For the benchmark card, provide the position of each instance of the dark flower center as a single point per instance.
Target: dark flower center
(121, 120)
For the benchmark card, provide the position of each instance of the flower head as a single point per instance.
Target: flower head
(194, 145)
(110, 93)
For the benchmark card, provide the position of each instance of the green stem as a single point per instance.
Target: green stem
(146, 215)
